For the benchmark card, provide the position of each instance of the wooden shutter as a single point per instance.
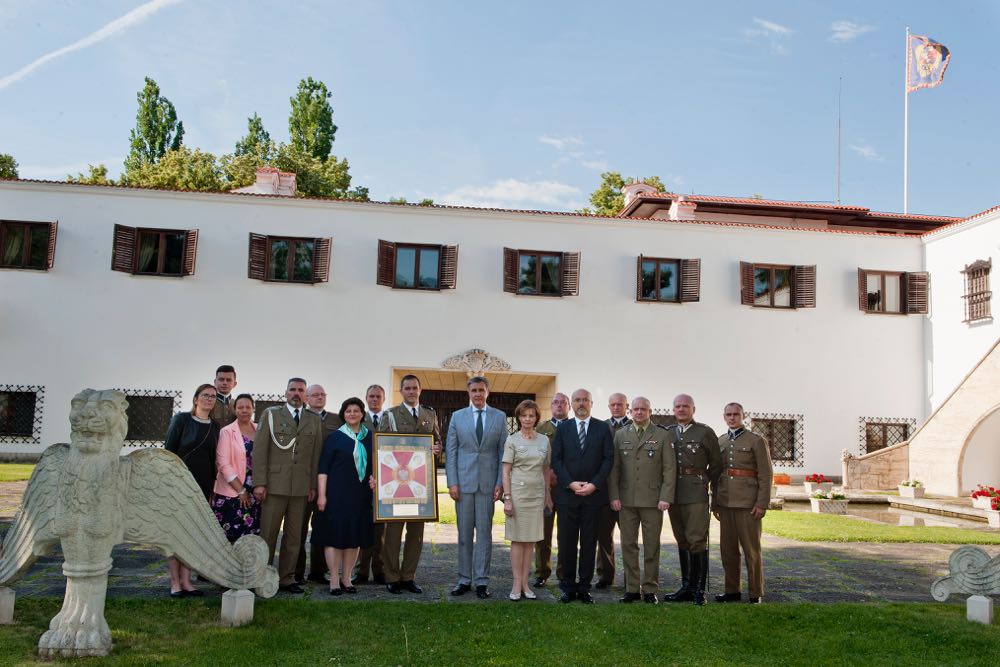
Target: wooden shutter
(190, 252)
(638, 278)
(449, 267)
(804, 286)
(321, 260)
(690, 280)
(510, 269)
(569, 282)
(53, 229)
(746, 283)
(915, 287)
(123, 249)
(863, 290)
(257, 257)
(386, 270)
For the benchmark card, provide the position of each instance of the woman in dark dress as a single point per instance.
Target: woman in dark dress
(193, 437)
(344, 522)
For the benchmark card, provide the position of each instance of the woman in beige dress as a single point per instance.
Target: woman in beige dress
(525, 494)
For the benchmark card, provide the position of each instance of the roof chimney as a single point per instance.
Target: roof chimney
(682, 208)
(271, 181)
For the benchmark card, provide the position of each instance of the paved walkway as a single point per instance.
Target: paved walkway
(794, 571)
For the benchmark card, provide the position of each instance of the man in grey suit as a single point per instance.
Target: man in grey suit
(474, 449)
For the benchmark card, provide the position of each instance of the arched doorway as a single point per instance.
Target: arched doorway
(980, 460)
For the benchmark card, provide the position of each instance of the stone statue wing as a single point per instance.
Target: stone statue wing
(32, 534)
(165, 509)
(972, 571)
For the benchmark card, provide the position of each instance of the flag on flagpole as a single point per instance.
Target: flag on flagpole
(926, 61)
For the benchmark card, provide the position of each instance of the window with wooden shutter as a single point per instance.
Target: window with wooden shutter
(777, 285)
(27, 245)
(541, 272)
(880, 291)
(154, 252)
(977, 295)
(916, 289)
(386, 272)
(288, 259)
(667, 280)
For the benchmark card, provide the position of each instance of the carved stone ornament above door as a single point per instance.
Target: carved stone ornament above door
(476, 362)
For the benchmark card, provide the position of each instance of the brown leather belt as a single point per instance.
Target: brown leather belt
(692, 471)
(741, 472)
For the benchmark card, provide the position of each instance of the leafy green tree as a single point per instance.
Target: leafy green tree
(402, 200)
(97, 175)
(608, 199)
(156, 131)
(8, 166)
(180, 169)
(314, 177)
(310, 124)
(257, 141)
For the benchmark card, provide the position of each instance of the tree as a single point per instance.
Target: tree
(402, 200)
(180, 169)
(8, 166)
(97, 175)
(315, 177)
(257, 141)
(310, 124)
(157, 129)
(608, 199)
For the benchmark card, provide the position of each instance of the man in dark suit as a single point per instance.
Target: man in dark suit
(582, 456)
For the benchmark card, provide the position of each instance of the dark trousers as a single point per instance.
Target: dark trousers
(543, 550)
(317, 561)
(370, 559)
(606, 544)
(577, 525)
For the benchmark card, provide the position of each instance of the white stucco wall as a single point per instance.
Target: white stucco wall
(952, 346)
(82, 324)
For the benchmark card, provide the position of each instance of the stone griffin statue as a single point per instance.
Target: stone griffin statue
(86, 498)
(971, 571)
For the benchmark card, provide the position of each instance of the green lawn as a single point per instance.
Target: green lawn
(15, 472)
(341, 632)
(809, 527)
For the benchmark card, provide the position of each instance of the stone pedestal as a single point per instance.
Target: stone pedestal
(237, 607)
(979, 609)
(6, 605)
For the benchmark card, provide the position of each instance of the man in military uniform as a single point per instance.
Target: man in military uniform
(543, 548)
(739, 501)
(329, 422)
(286, 453)
(224, 411)
(698, 465)
(641, 488)
(407, 417)
(370, 559)
(618, 407)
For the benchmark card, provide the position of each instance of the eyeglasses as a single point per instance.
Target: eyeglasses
(210, 397)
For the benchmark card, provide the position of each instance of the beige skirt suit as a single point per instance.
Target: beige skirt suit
(527, 487)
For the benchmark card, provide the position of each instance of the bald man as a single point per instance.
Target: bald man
(699, 464)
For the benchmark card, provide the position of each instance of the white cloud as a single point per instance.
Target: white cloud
(560, 143)
(770, 32)
(845, 31)
(598, 165)
(108, 30)
(59, 172)
(867, 152)
(512, 193)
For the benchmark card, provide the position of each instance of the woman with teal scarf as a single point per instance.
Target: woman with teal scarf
(344, 523)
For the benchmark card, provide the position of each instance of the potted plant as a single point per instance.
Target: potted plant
(983, 495)
(830, 502)
(993, 513)
(911, 488)
(818, 482)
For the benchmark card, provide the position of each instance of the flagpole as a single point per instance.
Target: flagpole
(906, 125)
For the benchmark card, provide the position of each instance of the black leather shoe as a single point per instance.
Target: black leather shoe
(482, 592)
(410, 586)
(394, 588)
(756, 600)
(601, 585)
(356, 580)
(379, 580)
(291, 588)
(176, 594)
(650, 598)
(630, 597)
(567, 597)
(316, 579)
(336, 591)
(585, 598)
(351, 590)
(539, 582)
(461, 589)
(193, 593)
(728, 597)
(682, 595)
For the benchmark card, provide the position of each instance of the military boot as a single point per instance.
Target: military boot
(683, 594)
(699, 577)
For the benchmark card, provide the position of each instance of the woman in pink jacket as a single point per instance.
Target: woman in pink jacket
(235, 507)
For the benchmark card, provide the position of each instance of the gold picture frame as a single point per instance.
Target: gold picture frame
(405, 474)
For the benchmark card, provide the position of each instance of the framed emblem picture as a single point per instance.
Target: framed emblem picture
(405, 477)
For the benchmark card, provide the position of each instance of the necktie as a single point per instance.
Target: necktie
(296, 417)
(375, 420)
(322, 415)
(414, 410)
(583, 434)
(732, 436)
(479, 426)
(640, 431)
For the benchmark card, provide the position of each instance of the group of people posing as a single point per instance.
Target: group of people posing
(302, 465)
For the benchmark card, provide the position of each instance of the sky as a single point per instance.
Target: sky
(523, 104)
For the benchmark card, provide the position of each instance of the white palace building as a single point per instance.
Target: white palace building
(838, 328)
